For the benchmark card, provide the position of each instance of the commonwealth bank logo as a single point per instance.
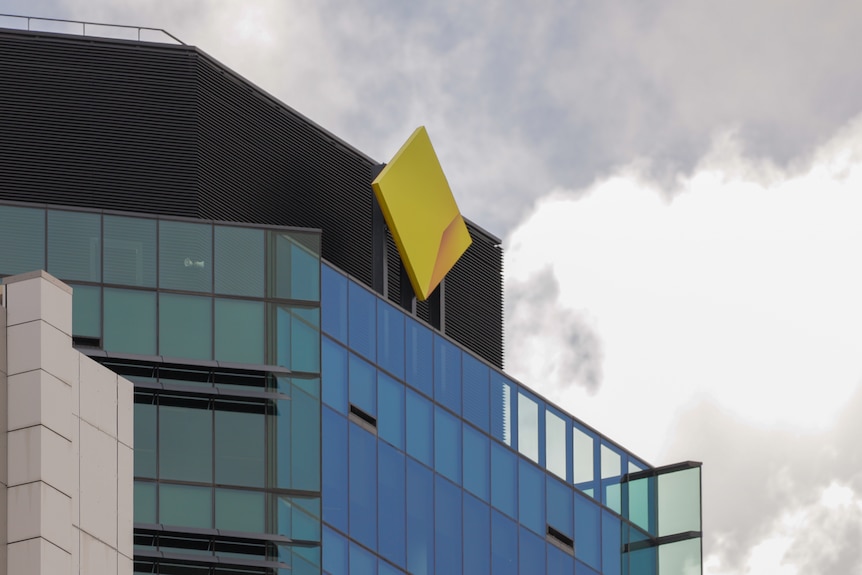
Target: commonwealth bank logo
(421, 213)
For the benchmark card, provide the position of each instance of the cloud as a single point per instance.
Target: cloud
(729, 321)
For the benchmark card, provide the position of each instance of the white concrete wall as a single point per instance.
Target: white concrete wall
(69, 464)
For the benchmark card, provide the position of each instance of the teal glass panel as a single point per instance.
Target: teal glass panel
(74, 245)
(641, 561)
(448, 536)
(239, 444)
(363, 486)
(87, 311)
(305, 273)
(145, 436)
(420, 428)
(145, 502)
(298, 517)
(185, 505)
(555, 444)
(560, 507)
(679, 502)
(305, 441)
(296, 273)
(239, 331)
(475, 380)
(419, 357)
(447, 445)
(588, 546)
(130, 251)
(185, 441)
(279, 433)
(641, 502)
(304, 561)
(477, 462)
(334, 303)
(23, 228)
(130, 321)
(297, 340)
(237, 510)
(238, 264)
(504, 545)
(682, 557)
(185, 326)
(531, 497)
(447, 374)
(334, 375)
(390, 339)
(185, 256)
(504, 480)
(390, 403)
(363, 385)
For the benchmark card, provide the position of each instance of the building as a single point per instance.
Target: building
(237, 299)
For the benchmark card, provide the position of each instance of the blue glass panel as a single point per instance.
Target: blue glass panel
(419, 357)
(185, 256)
(501, 408)
(130, 251)
(420, 519)
(581, 569)
(390, 339)
(362, 562)
(390, 407)
(239, 331)
(363, 486)
(384, 568)
(477, 536)
(559, 561)
(447, 444)
(611, 543)
(504, 480)
(477, 463)
(447, 522)
(531, 558)
(531, 497)
(391, 504)
(74, 245)
(185, 326)
(447, 374)
(560, 507)
(334, 374)
(587, 531)
(362, 321)
(504, 546)
(23, 228)
(334, 552)
(420, 428)
(363, 384)
(334, 489)
(239, 261)
(476, 399)
(333, 304)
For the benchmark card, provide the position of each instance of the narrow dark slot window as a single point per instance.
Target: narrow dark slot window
(365, 418)
(81, 341)
(561, 540)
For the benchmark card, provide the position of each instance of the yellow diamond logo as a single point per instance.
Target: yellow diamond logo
(421, 213)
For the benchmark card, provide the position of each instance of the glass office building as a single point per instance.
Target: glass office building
(294, 410)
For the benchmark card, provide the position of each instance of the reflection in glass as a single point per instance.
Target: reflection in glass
(555, 444)
(679, 501)
(130, 251)
(74, 245)
(501, 409)
(528, 427)
(582, 444)
(185, 256)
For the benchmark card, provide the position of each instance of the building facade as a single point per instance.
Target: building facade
(295, 409)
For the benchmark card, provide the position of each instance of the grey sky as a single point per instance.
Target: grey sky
(524, 98)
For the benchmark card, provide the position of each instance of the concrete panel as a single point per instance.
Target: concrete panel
(39, 510)
(38, 345)
(98, 489)
(96, 557)
(37, 557)
(40, 455)
(38, 398)
(98, 393)
(126, 412)
(125, 499)
(41, 296)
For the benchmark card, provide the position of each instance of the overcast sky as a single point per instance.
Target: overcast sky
(679, 186)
